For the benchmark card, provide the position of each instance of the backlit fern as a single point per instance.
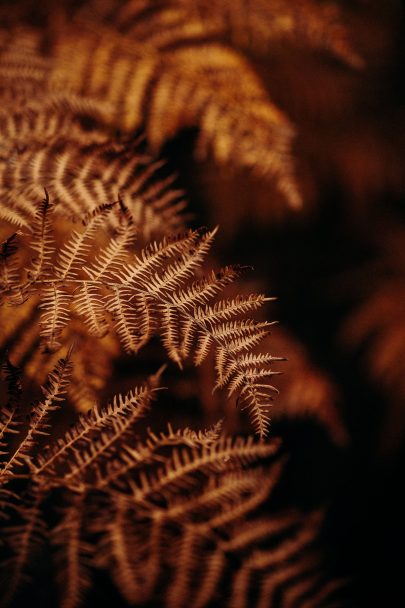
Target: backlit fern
(154, 291)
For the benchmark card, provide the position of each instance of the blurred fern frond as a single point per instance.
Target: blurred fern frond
(183, 86)
(253, 26)
(166, 68)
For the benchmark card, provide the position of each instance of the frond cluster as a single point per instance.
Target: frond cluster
(209, 550)
(251, 25)
(174, 66)
(57, 140)
(158, 290)
(124, 507)
(99, 453)
(173, 516)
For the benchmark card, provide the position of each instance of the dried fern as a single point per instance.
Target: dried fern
(154, 511)
(83, 177)
(158, 290)
(254, 26)
(175, 516)
(239, 125)
(134, 481)
(175, 53)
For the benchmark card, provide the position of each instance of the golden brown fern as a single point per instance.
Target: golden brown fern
(109, 478)
(207, 549)
(179, 53)
(56, 139)
(85, 176)
(158, 290)
(167, 90)
(307, 393)
(172, 516)
(170, 70)
(21, 456)
(252, 25)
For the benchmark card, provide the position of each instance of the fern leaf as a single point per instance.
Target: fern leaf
(74, 254)
(214, 106)
(42, 242)
(157, 291)
(186, 436)
(53, 392)
(178, 470)
(55, 303)
(89, 305)
(94, 439)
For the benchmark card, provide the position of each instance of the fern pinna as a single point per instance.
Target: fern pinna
(157, 290)
(147, 507)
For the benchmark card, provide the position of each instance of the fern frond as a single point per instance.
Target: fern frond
(93, 440)
(177, 471)
(185, 436)
(86, 176)
(145, 537)
(173, 51)
(156, 291)
(241, 128)
(172, 516)
(53, 392)
(76, 251)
